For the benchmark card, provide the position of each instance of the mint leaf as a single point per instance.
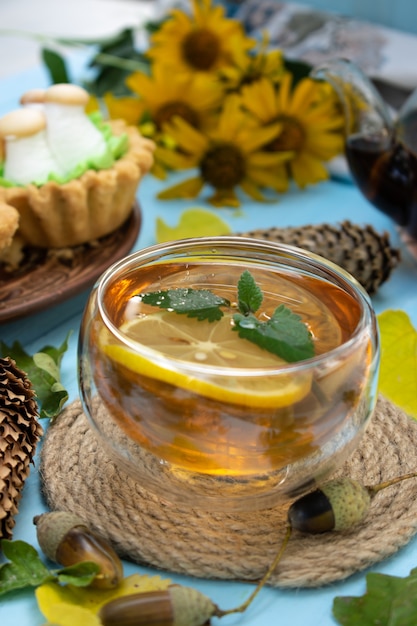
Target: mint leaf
(388, 601)
(249, 294)
(43, 371)
(199, 303)
(25, 568)
(284, 334)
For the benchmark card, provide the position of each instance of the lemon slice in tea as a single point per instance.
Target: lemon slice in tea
(189, 341)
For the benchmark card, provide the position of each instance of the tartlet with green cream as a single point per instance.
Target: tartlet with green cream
(71, 177)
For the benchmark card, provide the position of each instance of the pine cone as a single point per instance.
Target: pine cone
(360, 250)
(20, 431)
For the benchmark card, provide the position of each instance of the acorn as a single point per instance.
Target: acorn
(337, 505)
(360, 250)
(20, 433)
(67, 540)
(175, 606)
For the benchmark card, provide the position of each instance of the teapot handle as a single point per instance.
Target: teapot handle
(365, 111)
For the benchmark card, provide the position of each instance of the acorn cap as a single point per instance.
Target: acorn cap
(65, 93)
(33, 96)
(22, 123)
(52, 527)
(349, 500)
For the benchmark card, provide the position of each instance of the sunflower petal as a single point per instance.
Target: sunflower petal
(174, 160)
(224, 197)
(307, 170)
(252, 190)
(189, 188)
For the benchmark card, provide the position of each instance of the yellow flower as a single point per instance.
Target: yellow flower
(227, 157)
(310, 128)
(248, 67)
(165, 95)
(127, 108)
(202, 42)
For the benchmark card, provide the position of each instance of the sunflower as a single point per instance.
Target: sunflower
(310, 126)
(248, 67)
(165, 95)
(227, 156)
(199, 43)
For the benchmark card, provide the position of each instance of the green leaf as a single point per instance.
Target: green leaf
(284, 334)
(111, 73)
(56, 66)
(25, 568)
(249, 294)
(199, 303)
(43, 370)
(388, 601)
(79, 575)
(298, 69)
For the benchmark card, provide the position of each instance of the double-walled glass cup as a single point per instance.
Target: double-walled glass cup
(204, 418)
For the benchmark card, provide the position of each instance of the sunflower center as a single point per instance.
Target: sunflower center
(223, 166)
(169, 110)
(201, 49)
(291, 137)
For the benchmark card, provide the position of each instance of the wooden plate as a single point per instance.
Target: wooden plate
(46, 279)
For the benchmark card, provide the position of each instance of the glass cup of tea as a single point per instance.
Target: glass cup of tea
(194, 374)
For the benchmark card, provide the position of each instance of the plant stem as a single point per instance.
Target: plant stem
(242, 607)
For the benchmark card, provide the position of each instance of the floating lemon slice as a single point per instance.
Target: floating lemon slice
(187, 341)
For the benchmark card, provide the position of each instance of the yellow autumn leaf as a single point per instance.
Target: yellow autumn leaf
(192, 223)
(398, 370)
(69, 605)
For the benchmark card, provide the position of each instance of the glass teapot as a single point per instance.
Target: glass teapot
(381, 148)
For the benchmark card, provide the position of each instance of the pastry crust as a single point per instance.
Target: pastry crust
(9, 222)
(86, 208)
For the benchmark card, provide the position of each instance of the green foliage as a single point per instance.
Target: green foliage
(388, 601)
(111, 75)
(25, 569)
(43, 370)
(56, 66)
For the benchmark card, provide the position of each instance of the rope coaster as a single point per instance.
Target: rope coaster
(78, 475)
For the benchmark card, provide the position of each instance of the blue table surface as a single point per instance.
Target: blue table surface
(331, 202)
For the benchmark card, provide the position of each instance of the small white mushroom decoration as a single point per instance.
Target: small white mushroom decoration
(28, 158)
(33, 98)
(72, 136)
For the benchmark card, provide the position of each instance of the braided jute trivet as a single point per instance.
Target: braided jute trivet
(78, 475)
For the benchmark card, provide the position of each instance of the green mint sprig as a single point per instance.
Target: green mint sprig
(284, 334)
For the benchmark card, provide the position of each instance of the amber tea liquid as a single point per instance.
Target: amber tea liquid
(207, 435)
(386, 173)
